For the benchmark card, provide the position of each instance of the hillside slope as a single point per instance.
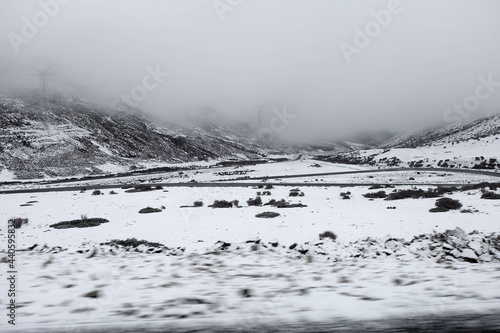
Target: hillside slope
(69, 137)
(475, 145)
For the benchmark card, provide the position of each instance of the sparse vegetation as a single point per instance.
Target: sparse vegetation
(376, 195)
(283, 204)
(448, 203)
(438, 210)
(267, 215)
(97, 192)
(149, 210)
(112, 192)
(198, 204)
(255, 202)
(224, 204)
(140, 188)
(83, 223)
(133, 243)
(328, 234)
(490, 195)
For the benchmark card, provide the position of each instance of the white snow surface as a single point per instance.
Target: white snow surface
(375, 269)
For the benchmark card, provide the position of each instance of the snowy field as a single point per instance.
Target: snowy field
(225, 265)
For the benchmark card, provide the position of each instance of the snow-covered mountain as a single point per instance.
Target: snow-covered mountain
(474, 145)
(67, 136)
(451, 134)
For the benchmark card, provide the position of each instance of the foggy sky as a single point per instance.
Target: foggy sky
(270, 53)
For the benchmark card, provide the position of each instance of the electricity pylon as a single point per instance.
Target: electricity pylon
(42, 75)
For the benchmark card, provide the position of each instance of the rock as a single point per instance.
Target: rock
(476, 246)
(455, 253)
(485, 257)
(469, 255)
(459, 233)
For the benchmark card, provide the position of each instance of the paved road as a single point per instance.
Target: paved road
(468, 322)
(215, 184)
(236, 182)
(319, 174)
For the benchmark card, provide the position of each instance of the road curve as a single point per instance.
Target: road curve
(237, 182)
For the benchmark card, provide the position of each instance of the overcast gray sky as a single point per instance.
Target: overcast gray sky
(233, 56)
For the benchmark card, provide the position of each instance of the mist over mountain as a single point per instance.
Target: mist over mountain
(270, 54)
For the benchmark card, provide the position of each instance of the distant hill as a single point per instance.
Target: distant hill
(73, 137)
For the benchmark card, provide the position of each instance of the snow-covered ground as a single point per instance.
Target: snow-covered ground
(226, 265)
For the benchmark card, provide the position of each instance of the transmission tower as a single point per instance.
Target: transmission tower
(42, 76)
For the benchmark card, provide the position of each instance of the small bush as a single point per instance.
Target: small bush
(267, 215)
(149, 210)
(438, 210)
(375, 187)
(133, 243)
(376, 195)
(269, 187)
(346, 197)
(112, 192)
(83, 223)
(198, 204)
(18, 222)
(448, 203)
(255, 202)
(328, 234)
(140, 188)
(221, 204)
(490, 196)
(96, 192)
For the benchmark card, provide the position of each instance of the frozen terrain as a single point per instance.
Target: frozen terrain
(225, 265)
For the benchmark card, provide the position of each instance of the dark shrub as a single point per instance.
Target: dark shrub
(269, 187)
(112, 192)
(438, 210)
(255, 202)
(490, 196)
(96, 192)
(328, 234)
(159, 187)
(221, 204)
(448, 203)
(375, 187)
(18, 222)
(294, 194)
(267, 215)
(149, 210)
(133, 243)
(283, 204)
(198, 204)
(346, 197)
(83, 223)
(376, 195)
(140, 188)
